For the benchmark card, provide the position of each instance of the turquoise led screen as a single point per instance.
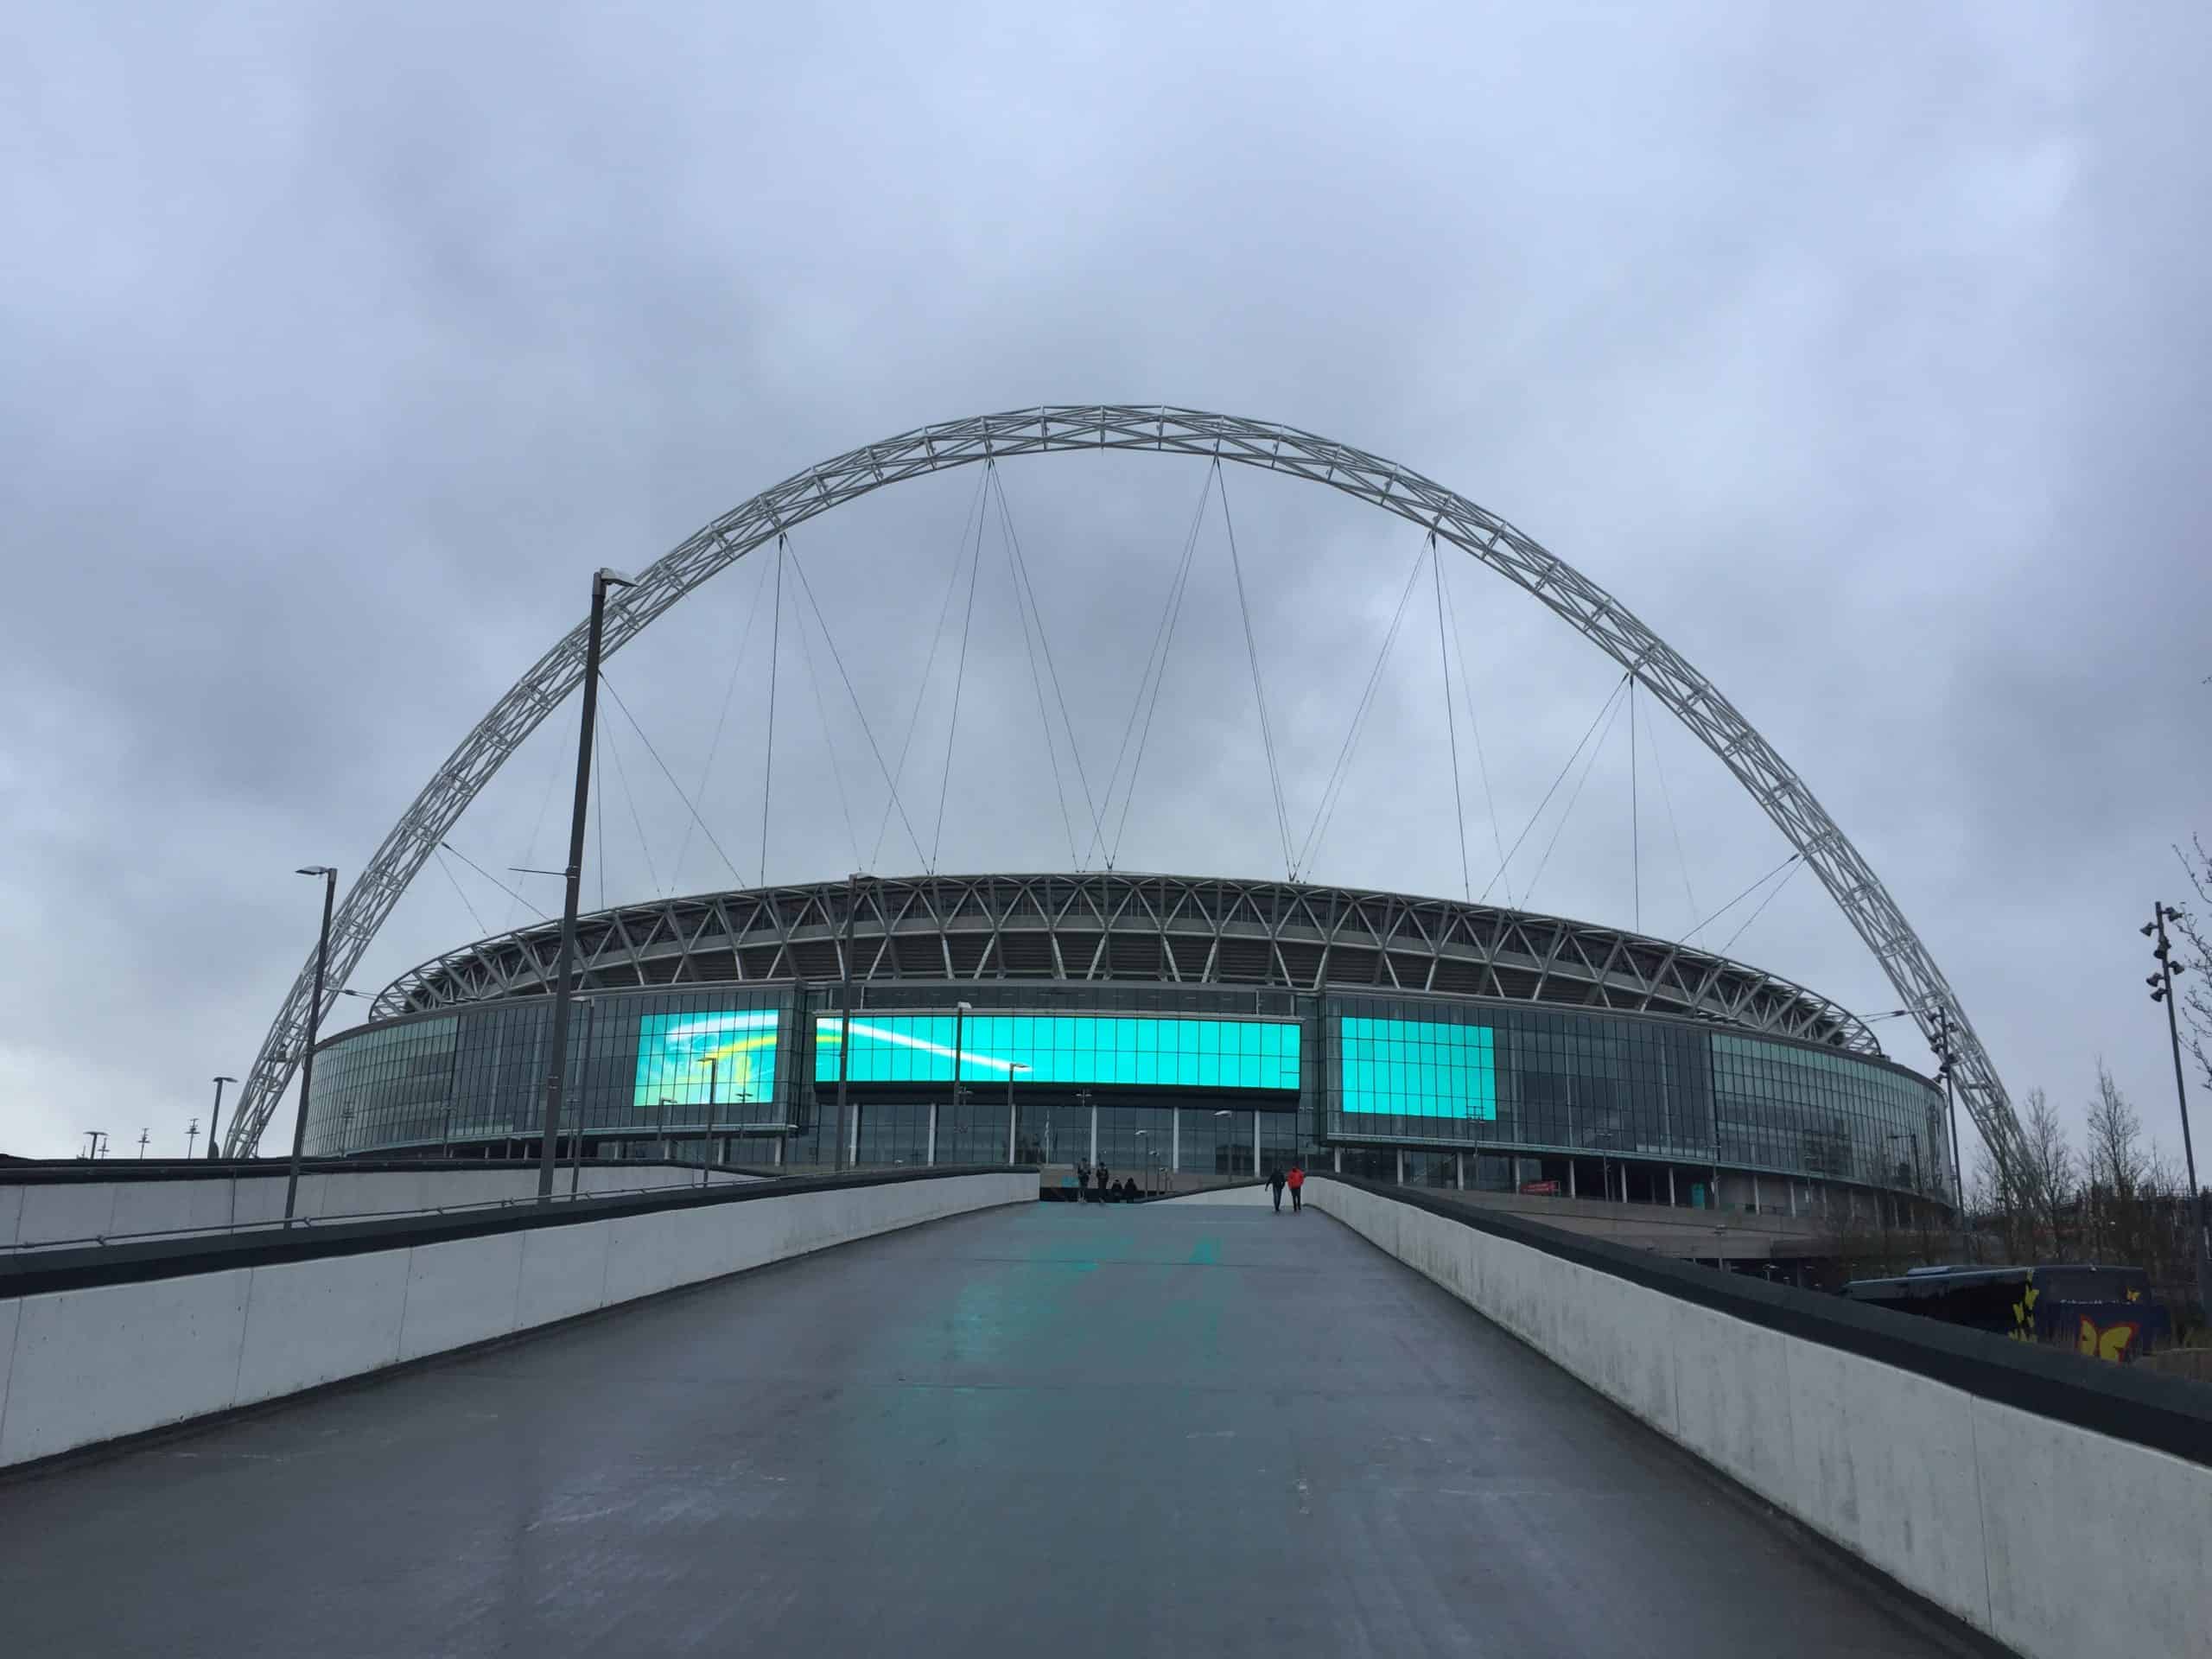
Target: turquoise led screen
(1417, 1068)
(1107, 1049)
(674, 1050)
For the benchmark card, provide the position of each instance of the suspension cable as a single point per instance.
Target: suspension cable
(928, 667)
(608, 686)
(830, 743)
(1603, 710)
(1738, 899)
(730, 692)
(1651, 739)
(959, 680)
(481, 930)
(806, 587)
(599, 800)
(1044, 640)
(536, 829)
(1482, 762)
(1635, 832)
(1333, 790)
(1259, 685)
(775, 662)
(621, 774)
(1451, 720)
(1136, 706)
(1037, 681)
(493, 880)
(1559, 829)
(1795, 867)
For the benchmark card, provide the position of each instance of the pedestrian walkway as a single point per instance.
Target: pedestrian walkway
(1125, 1429)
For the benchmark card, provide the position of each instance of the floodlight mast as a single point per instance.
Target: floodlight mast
(1656, 665)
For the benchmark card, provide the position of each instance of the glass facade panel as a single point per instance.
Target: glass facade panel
(1099, 1049)
(1522, 1086)
(1416, 1068)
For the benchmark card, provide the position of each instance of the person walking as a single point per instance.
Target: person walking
(1276, 1185)
(1294, 1182)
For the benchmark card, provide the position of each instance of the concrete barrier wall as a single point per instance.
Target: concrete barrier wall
(1249, 1193)
(2052, 1538)
(82, 1366)
(52, 1212)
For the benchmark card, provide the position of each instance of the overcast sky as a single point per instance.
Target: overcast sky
(1862, 356)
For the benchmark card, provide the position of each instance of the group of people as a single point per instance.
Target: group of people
(1294, 1180)
(1093, 1184)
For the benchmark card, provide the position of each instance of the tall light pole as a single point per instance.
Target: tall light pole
(314, 1020)
(214, 1118)
(2162, 990)
(191, 1134)
(557, 1061)
(845, 1016)
(1951, 1110)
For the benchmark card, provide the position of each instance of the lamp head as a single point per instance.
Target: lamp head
(314, 869)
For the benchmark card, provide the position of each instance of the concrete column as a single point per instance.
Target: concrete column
(853, 1148)
(1459, 1170)
(1402, 1166)
(1755, 1191)
(1337, 1158)
(1175, 1138)
(1256, 1140)
(1571, 1193)
(932, 1146)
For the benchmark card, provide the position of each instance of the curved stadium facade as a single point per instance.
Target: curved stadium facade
(1190, 1029)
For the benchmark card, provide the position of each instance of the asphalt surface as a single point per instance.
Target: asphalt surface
(1134, 1430)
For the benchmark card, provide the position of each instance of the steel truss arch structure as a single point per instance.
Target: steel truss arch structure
(1662, 671)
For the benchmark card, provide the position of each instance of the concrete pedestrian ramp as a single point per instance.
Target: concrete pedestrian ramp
(1126, 1429)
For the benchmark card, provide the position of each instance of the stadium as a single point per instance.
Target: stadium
(1180, 1031)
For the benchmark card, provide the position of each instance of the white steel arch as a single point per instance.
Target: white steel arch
(1593, 613)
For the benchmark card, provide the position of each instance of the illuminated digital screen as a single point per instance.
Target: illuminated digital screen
(1417, 1068)
(1107, 1049)
(682, 1056)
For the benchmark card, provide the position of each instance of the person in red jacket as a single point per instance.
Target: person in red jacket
(1296, 1181)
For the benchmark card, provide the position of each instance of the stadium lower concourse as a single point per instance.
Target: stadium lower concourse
(1181, 1031)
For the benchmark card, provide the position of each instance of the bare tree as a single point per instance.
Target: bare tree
(2113, 1165)
(2033, 1198)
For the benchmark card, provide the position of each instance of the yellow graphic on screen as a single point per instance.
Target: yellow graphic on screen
(728, 1057)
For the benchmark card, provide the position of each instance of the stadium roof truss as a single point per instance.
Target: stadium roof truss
(1118, 925)
(1593, 613)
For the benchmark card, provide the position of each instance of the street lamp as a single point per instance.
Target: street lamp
(713, 1063)
(1010, 1070)
(2162, 990)
(960, 1013)
(191, 1134)
(215, 1147)
(845, 1015)
(329, 875)
(602, 580)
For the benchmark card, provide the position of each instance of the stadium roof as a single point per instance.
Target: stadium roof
(1131, 927)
